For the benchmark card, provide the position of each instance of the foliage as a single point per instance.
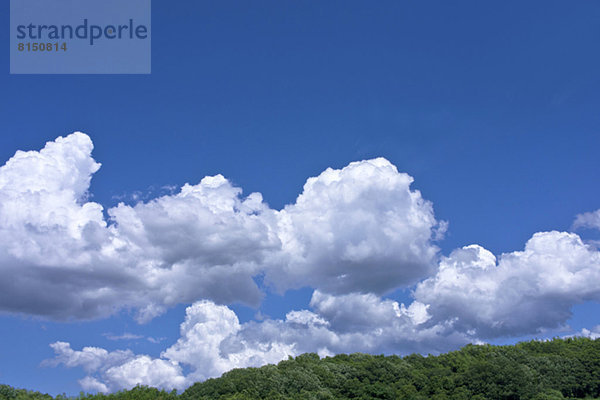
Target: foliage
(556, 369)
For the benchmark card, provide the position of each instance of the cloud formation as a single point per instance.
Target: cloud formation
(357, 229)
(353, 235)
(117, 369)
(520, 293)
(587, 220)
(592, 334)
(49, 234)
(360, 228)
(212, 341)
(474, 296)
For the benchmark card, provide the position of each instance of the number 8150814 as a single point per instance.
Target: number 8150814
(42, 46)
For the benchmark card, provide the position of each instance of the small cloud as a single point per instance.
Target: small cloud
(148, 194)
(124, 336)
(169, 189)
(590, 220)
(155, 340)
(593, 334)
(133, 197)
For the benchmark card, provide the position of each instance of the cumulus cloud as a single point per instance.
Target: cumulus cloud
(212, 341)
(93, 385)
(109, 371)
(353, 235)
(363, 312)
(66, 261)
(520, 293)
(47, 229)
(91, 359)
(204, 343)
(202, 346)
(587, 220)
(594, 333)
(144, 370)
(204, 242)
(358, 229)
(474, 296)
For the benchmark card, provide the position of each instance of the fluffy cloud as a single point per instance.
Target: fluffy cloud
(203, 242)
(143, 370)
(67, 261)
(520, 293)
(206, 345)
(473, 296)
(117, 369)
(358, 229)
(212, 341)
(93, 385)
(594, 333)
(46, 233)
(364, 312)
(588, 220)
(353, 235)
(91, 359)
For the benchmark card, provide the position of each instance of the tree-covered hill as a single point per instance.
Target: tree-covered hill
(560, 368)
(530, 370)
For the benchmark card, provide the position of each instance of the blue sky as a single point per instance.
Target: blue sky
(492, 109)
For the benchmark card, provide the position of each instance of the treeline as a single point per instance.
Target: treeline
(556, 369)
(137, 393)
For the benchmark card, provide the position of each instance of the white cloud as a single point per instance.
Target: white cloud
(587, 220)
(521, 293)
(90, 384)
(353, 235)
(203, 242)
(204, 343)
(360, 228)
(592, 334)
(110, 371)
(357, 229)
(364, 312)
(124, 336)
(91, 359)
(68, 262)
(202, 346)
(143, 370)
(48, 232)
(473, 296)
(212, 341)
